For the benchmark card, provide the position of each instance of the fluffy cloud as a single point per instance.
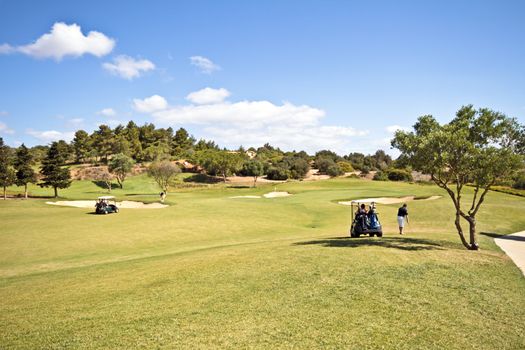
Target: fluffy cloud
(65, 40)
(393, 128)
(208, 96)
(6, 49)
(127, 67)
(253, 123)
(150, 104)
(5, 130)
(51, 135)
(204, 64)
(4, 113)
(107, 112)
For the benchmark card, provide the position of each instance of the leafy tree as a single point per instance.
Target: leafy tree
(297, 166)
(120, 165)
(163, 173)
(52, 170)
(328, 155)
(478, 147)
(380, 176)
(278, 172)
(24, 168)
(104, 142)
(182, 142)
(221, 163)
(328, 166)
(253, 168)
(81, 145)
(7, 173)
(101, 174)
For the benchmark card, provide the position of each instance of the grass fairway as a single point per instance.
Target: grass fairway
(215, 272)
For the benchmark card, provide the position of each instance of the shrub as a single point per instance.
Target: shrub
(346, 167)
(519, 181)
(380, 176)
(278, 173)
(399, 175)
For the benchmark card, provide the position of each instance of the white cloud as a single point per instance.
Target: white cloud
(114, 122)
(51, 135)
(5, 130)
(127, 67)
(393, 128)
(249, 114)
(65, 40)
(150, 104)
(208, 96)
(204, 64)
(6, 49)
(107, 112)
(253, 123)
(4, 113)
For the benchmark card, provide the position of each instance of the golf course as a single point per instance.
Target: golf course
(212, 271)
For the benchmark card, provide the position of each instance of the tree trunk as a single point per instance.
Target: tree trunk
(255, 181)
(25, 191)
(5, 193)
(460, 231)
(56, 191)
(224, 177)
(472, 231)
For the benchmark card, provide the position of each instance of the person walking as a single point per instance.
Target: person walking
(402, 216)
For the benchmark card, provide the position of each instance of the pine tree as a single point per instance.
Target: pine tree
(54, 175)
(7, 173)
(24, 170)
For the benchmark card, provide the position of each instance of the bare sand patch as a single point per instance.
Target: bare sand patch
(120, 205)
(388, 200)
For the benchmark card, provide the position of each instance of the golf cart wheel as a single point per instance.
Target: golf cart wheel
(116, 210)
(380, 234)
(105, 212)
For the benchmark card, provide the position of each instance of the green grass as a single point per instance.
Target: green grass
(215, 272)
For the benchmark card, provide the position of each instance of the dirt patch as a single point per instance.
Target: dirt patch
(120, 205)
(389, 200)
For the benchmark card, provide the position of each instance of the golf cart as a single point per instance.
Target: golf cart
(365, 223)
(106, 205)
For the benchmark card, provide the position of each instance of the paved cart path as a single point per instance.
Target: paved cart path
(514, 246)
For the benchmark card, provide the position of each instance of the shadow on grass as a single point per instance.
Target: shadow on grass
(403, 243)
(502, 236)
(203, 179)
(104, 185)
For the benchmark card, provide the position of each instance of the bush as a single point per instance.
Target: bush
(380, 176)
(299, 168)
(519, 182)
(365, 170)
(278, 173)
(346, 167)
(334, 170)
(399, 175)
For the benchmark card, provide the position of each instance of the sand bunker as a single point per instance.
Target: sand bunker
(267, 195)
(120, 205)
(389, 200)
(276, 194)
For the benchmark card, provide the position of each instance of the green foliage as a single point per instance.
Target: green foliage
(7, 173)
(478, 147)
(345, 166)
(52, 170)
(121, 165)
(328, 166)
(296, 165)
(519, 181)
(81, 145)
(221, 163)
(377, 161)
(24, 168)
(163, 172)
(253, 168)
(278, 172)
(380, 176)
(399, 175)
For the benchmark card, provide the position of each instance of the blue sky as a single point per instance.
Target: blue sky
(298, 74)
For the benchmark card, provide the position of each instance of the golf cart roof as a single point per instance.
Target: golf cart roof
(106, 197)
